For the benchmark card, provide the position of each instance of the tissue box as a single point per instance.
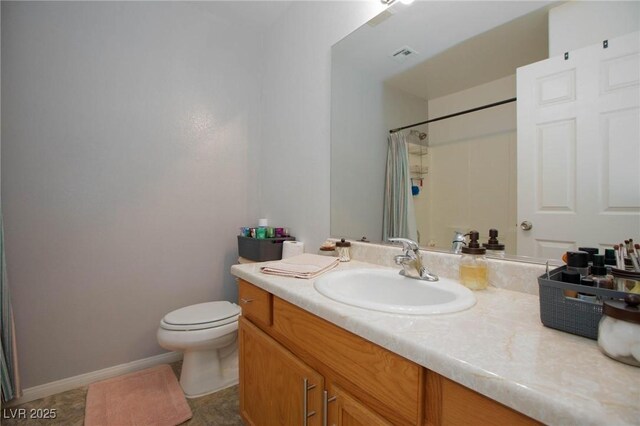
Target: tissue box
(261, 250)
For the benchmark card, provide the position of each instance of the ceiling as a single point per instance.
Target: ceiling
(484, 58)
(256, 16)
(432, 27)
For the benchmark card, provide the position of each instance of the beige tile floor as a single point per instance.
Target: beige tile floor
(220, 408)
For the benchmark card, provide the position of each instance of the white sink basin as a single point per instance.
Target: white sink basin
(388, 291)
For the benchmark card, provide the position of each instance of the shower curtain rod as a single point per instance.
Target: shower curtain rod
(455, 114)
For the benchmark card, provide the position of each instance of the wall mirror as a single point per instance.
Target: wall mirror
(414, 63)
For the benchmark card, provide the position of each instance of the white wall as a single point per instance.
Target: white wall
(129, 162)
(471, 182)
(295, 143)
(577, 24)
(359, 135)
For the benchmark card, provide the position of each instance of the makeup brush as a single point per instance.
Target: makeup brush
(619, 264)
(635, 257)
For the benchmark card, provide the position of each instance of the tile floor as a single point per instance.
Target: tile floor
(220, 408)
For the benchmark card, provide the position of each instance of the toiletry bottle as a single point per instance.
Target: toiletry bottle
(591, 251)
(473, 264)
(570, 277)
(599, 273)
(493, 246)
(578, 261)
(342, 247)
(587, 282)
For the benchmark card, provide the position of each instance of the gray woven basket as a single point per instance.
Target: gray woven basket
(569, 314)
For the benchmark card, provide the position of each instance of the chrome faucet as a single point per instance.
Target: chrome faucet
(458, 242)
(411, 261)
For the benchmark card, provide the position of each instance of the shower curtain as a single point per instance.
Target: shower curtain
(399, 219)
(8, 361)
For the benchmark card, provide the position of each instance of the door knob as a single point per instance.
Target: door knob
(526, 225)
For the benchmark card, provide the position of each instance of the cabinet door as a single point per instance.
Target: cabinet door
(345, 410)
(276, 388)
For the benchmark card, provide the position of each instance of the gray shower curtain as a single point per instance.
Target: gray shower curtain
(8, 360)
(399, 219)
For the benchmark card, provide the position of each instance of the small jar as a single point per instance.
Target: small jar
(328, 248)
(473, 264)
(627, 281)
(342, 247)
(619, 330)
(270, 232)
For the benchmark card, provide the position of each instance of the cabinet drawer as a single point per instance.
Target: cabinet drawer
(395, 383)
(255, 303)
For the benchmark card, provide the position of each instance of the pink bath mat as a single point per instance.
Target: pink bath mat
(149, 397)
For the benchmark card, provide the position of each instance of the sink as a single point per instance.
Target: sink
(388, 291)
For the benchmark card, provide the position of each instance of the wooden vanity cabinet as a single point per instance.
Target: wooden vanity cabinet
(276, 388)
(274, 384)
(382, 380)
(449, 403)
(297, 368)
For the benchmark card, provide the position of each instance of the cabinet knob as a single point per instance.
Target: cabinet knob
(246, 300)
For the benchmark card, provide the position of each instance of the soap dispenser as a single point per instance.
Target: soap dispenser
(342, 247)
(493, 246)
(473, 264)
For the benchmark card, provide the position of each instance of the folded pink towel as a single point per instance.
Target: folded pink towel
(304, 266)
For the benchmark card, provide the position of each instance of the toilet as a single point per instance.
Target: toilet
(207, 335)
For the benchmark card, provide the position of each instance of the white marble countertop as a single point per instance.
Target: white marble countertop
(498, 348)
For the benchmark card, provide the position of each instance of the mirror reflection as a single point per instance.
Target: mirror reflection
(453, 67)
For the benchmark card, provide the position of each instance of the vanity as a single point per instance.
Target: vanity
(306, 359)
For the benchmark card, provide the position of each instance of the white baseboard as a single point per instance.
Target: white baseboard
(69, 383)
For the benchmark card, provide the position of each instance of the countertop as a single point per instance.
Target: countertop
(498, 348)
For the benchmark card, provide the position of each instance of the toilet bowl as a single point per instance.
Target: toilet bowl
(207, 335)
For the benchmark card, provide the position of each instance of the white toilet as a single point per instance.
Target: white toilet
(207, 335)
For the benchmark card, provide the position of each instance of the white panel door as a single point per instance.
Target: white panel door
(579, 149)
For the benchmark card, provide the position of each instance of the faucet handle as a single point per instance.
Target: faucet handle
(407, 244)
(459, 237)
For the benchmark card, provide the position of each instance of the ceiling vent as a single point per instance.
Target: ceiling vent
(403, 54)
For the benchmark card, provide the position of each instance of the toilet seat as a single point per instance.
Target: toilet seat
(201, 316)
